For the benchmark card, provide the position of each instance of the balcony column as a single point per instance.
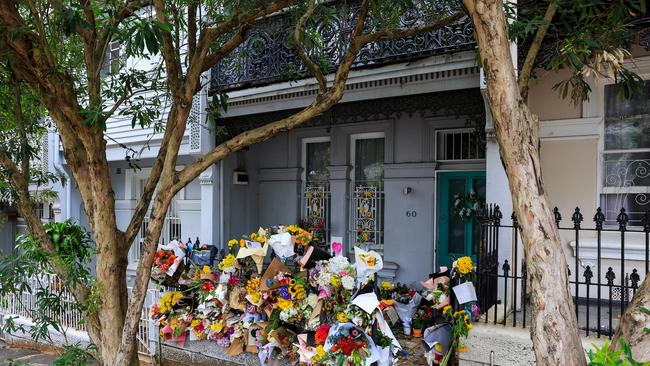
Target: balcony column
(339, 193)
(210, 207)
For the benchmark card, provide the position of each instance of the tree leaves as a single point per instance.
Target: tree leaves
(588, 37)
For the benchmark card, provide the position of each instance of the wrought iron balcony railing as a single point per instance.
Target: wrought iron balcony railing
(268, 55)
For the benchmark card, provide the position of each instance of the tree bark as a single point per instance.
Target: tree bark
(554, 328)
(632, 323)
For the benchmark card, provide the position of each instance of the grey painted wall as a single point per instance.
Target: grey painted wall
(274, 194)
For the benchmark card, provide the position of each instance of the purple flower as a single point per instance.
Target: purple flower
(285, 293)
(476, 311)
(223, 342)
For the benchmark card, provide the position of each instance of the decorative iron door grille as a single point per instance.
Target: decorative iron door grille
(367, 217)
(316, 207)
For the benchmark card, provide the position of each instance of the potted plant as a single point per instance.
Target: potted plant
(417, 324)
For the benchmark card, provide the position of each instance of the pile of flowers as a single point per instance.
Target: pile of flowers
(323, 311)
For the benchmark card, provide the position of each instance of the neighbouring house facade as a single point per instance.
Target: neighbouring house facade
(383, 169)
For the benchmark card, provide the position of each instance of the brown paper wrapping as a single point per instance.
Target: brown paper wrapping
(317, 311)
(236, 348)
(235, 301)
(273, 269)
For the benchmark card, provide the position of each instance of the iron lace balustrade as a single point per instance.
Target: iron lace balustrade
(268, 55)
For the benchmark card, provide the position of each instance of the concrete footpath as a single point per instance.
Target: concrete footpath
(23, 356)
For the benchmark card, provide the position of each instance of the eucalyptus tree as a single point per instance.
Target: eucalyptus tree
(58, 48)
(590, 38)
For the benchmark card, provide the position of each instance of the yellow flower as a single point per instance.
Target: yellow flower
(446, 309)
(227, 262)
(232, 242)
(387, 286)
(297, 291)
(341, 317)
(320, 352)
(242, 243)
(206, 270)
(459, 313)
(252, 289)
(217, 327)
(169, 299)
(335, 281)
(464, 265)
(284, 304)
(194, 323)
(468, 323)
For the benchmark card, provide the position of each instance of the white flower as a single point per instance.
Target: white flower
(285, 315)
(324, 279)
(347, 282)
(312, 300)
(338, 264)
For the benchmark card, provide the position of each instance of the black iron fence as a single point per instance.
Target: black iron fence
(605, 266)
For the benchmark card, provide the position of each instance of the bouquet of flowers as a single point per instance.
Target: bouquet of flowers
(173, 315)
(461, 324)
(299, 236)
(465, 268)
(386, 290)
(162, 262)
(406, 302)
(348, 345)
(335, 280)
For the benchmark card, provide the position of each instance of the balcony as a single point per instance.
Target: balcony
(268, 55)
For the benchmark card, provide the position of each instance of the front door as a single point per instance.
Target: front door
(458, 232)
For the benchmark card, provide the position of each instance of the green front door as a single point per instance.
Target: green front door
(458, 236)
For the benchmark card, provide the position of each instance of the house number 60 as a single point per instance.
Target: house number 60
(411, 213)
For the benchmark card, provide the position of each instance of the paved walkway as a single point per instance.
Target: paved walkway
(22, 356)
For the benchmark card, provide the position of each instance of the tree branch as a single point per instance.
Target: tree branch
(408, 32)
(204, 60)
(151, 183)
(191, 29)
(36, 229)
(297, 36)
(170, 54)
(529, 62)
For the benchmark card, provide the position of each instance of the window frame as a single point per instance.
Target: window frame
(442, 131)
(303, 154)
(353, 150)
(595, 107)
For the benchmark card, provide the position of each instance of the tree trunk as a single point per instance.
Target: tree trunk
(633, 322)
(554, 328)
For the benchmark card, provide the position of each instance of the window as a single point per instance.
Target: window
(317, 159)
(112, 61)
(459, 144)
(367, 198)
(626, 155)
(316, 179)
